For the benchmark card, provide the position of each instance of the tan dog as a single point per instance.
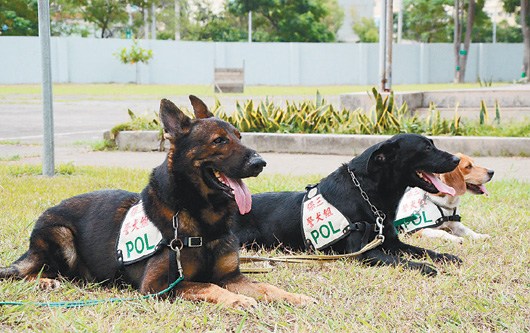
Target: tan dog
(437, 214)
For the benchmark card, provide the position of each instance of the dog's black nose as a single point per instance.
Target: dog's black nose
(256, 163)
(455, 160)
(490, 173)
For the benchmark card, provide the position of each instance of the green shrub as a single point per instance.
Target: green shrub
(436, 125)
(138, 123)
(134, 54)
(320, 117)
(304, 117)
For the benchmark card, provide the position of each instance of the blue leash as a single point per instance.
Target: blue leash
(78, 304)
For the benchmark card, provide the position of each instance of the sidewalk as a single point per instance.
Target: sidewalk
(290, 164)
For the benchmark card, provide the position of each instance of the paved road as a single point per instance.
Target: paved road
(294, 164)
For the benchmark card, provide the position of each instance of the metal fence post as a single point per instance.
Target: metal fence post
(48, 167)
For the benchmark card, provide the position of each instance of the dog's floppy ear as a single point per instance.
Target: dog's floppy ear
(201, 110)
(174, 120)
(455, 179)
(385, 153)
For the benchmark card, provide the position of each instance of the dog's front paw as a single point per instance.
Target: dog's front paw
(300, 299)
(481, 236)
(48, 284)
(239, 301)
(427, 270)
(448, 258)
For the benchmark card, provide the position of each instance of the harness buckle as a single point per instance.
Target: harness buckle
(194, 241)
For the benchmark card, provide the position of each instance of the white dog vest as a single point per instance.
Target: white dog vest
(323, 224)
(416, 211)
(139, 238)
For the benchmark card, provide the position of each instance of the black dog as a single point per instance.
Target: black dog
(383, 172)
(190, 202)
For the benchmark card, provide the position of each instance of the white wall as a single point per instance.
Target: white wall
(88, 60)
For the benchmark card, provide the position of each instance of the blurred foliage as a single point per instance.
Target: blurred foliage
(366, 29)
(431, 21)
(19, 18)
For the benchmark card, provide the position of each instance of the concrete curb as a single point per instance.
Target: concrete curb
(340, 144)
(507, 97)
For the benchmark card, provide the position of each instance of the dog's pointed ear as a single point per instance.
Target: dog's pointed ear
(174, 120)
(200, 109)
(385, 153)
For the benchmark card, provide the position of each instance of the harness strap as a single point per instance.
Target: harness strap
(191, 241)
(449, 218)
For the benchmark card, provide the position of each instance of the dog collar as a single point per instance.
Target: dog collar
(416, 211)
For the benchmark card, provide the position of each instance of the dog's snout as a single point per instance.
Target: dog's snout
(256, 163)
(455, 160)
(490, 173)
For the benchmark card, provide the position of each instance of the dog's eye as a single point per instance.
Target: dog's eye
(469, 166)
(220, 140)
(428, 148)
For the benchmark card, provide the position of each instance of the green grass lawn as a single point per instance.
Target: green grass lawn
(490, 291)
(156, 91)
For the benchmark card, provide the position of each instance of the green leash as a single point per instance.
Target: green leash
(78, 304)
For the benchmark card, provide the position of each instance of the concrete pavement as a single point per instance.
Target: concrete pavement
(290, 164)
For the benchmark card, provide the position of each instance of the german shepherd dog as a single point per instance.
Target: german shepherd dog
(383, 172)
(198, 185)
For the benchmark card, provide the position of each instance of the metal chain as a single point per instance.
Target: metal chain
(379, 215)
(176, 247)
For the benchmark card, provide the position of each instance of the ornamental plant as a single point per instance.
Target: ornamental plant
(318, 116)
(135, 55)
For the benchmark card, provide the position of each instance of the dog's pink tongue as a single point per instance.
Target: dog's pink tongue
(483, 189)
(241, 193)
(439, 185)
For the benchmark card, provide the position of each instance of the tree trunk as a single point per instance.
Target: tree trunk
(153, 21)
(525, 18)
(472, 7)
(138, 73)
(177, 19)
(457, 39)
(145, 14)
(463, 54)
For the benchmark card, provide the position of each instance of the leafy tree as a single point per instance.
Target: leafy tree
(427, 21)
(105, 14)
(366, 30)
(291, 20)
(204, 24)
(507, 33)
(64, 22)
(482, 31)
(19, 18)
